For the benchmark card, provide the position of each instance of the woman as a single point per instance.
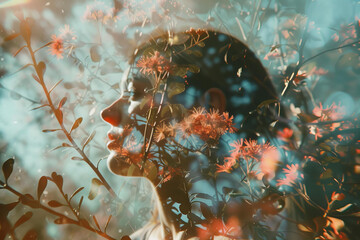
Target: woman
(173, 125)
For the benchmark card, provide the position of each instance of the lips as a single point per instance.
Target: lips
(114, 136)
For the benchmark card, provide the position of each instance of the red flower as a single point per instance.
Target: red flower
(291, 175)
(207, 125)
(154, 64)
(57, 46)
(285, 134)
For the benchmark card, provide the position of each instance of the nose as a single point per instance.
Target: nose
(114, 113)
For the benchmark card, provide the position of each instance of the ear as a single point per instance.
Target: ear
(214, 98)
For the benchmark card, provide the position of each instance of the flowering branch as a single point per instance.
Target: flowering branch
(39, 77)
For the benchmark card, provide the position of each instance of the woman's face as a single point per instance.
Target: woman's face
(221, 74)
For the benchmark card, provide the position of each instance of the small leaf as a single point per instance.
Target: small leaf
(23, 67)
(96, 222)
(58, 179)
(61, 220)
(23, 219)
(307, 118)
(66, 145)
(44, 105)
(77, 158)
(53, 87)
(195, 218)
(11, 37)
(6, 208)
(95, 184)
(107, 223)
(304, 228)
(59, 115)
(204, 196)
(7, 168)
(29, 200)
(344, 208)
(25, 31)
(30, 235)
(175, 88)
(76, 192)
(41, 186)
(89, 139)
(54, 203)
(239, 71)
(41, 68)
(94, 54)
(80, 202)
(76, 124)
(50, 130)
(266, 103)
(18, 51)
(62, 102)
(205, 210)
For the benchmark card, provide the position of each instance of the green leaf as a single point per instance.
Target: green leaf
(23, 219)
(175, 88)
(94, 190)
(94, 54)
(7, 168)
(76, 124)
(41, 186)
(54, 204)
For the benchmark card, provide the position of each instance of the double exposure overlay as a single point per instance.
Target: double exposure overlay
(165, 119)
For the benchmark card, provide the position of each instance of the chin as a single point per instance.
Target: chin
(117, 165)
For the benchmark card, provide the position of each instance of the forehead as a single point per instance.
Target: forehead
(209, 59)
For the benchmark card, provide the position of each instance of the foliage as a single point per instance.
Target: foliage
(304, 172)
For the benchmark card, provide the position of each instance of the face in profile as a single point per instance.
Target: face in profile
(172, 78)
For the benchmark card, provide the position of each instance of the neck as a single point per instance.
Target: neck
(164, 223)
